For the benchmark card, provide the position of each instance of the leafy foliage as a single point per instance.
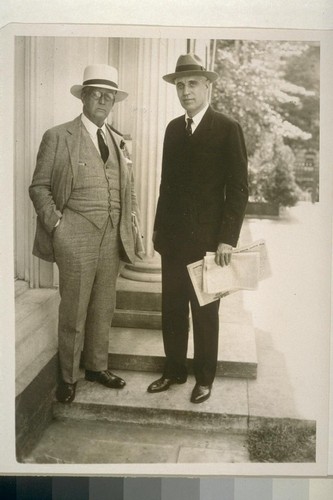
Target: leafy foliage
(259, 85)
(271, 178)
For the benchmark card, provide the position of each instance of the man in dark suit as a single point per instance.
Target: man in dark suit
(203, 197)
(83, 192)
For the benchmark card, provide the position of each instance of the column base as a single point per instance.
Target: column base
(148, 269)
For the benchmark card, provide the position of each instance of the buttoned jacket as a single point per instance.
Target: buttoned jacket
(204, 187)
(55, 176)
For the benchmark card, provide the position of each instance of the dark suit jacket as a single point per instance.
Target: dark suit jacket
(54, 177)
(203, 191)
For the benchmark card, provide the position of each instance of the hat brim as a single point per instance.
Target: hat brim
(76, 91)
(171, 77)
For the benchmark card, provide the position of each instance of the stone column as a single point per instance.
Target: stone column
(155, 103)
(45, 68)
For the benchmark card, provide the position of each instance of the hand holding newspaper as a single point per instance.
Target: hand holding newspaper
(249, 265)
(242, 273)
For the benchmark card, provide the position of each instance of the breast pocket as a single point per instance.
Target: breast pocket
(88, 176)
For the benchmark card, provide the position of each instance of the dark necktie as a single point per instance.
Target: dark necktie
(104, 150)
(188, 127)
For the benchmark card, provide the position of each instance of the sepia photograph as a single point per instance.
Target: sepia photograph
(171, 226)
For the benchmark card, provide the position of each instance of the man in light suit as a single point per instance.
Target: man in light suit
(83, 192)
(203, 196)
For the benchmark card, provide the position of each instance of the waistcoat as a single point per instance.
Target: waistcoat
(96, 194)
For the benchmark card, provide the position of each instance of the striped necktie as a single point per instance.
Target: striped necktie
(188, 127)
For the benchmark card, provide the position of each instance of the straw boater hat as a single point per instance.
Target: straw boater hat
(187, 65)
(102, 76)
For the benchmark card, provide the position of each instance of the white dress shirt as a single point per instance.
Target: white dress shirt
(197, 118)
(92, 130)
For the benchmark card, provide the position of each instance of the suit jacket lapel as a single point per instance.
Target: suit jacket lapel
(73, 144)
(206, 122)
(122, 162)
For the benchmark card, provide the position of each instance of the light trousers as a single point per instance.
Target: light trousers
(88, 261)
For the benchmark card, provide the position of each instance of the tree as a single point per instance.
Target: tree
(259, 88)
(252, 87)
(271, 173)
(305, 114)
(278, 183)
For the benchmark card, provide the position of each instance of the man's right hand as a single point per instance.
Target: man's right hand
(223, 254)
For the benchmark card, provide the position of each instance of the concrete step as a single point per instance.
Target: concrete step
(142, 350)
(20, 287)
(36, 340)
(133, 404)
(138, 295)
(139, 306)
(229, 409)
(152, 319)
(141, 296)
(98, 442)
(30, 307)
(137, 319)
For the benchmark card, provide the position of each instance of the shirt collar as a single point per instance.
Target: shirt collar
(91, 127)
(198, 117)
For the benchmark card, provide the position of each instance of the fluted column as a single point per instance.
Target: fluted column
(155, 104)
(46, 68)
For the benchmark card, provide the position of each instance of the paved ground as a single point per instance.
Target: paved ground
(84, 441)
(290, 314)
(293, 306)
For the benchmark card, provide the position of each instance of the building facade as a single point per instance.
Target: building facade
(45, 69)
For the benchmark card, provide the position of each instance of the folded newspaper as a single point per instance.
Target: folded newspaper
(242, 273)
(248, 266)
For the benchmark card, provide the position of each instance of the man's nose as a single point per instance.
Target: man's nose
(102, 98)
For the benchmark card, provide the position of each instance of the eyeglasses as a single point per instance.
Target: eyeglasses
(97, 94)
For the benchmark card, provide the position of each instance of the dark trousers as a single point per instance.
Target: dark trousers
(177, 295)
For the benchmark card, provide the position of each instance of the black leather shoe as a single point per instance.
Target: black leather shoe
(200, 393)
(163, 384)
(107, 378)
(65, 392)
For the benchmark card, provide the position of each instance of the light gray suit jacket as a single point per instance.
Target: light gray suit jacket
(54, 177)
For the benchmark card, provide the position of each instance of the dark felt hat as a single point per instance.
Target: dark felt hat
(190, 64)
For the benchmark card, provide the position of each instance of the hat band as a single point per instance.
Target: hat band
(100, 82)
(190, 67)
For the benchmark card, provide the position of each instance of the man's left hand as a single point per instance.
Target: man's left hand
(223, 254)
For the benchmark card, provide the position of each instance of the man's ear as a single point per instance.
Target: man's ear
(83, 93)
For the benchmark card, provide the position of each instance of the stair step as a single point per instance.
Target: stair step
(138, 295)
(229, 408)
(124, 443)
(139, 306)
(137, 319)
(36, 336)
(30, 305)
(133, 404)
(142, 350)
(144, 301)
